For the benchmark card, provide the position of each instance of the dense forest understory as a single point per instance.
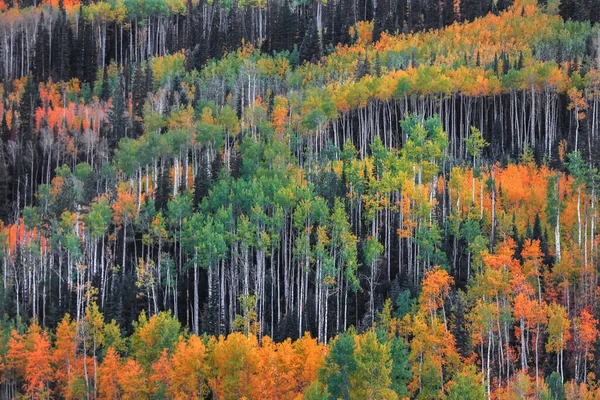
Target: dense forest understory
(366, 199)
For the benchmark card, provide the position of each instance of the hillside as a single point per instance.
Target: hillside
(409, 213)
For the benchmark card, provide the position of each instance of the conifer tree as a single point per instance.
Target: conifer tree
(117, 117)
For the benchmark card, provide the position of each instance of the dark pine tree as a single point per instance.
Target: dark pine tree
(117, 118)
(537, 228)
(362, 67)
(105, 92)
(41, 66)
(448, 13)
(6, 133)
(595, 11)
(458, 327)
(139, 94)
(211, 317)
(309, 49)
(215, 168)
(26, 149)
(566, 9)
(29, 102)
(529, 231)
(77, 52)
(61, 58)
(545, 247)
(432, 15)
(202, 183)
(163, 191)
(5, 190)
(470, 9)
(89, 53)
(84, 52)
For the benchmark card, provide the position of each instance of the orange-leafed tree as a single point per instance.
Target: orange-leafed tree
(234, 363)
(65, 357)
(310, 358)
(532, 264)
(190, 370)
(16, 359)
(280, 114)
(108, 376)
(433, 348)
(38, 370)
(435, 288)
(584, 336)
(276, 364)
(161, 377)
(133, 381)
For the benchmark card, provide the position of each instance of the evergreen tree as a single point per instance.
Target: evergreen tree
(27, 107)
(117, 118)
(5, 189)
(555, 383)
(163, 191)
(5, 132)
(61, 68)
(41, 67)
(362, 67)
(139, 93)
(470, 9)
(537, 233)
(309, 49)
(202, 183)
(339, 366)
(84, 51)
(449, 15)
(105, 91)
(594, 12)
(400, 373)
(566, 9)
(215, 168)
(433, 16)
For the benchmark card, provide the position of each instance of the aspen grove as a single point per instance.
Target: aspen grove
(299, 199)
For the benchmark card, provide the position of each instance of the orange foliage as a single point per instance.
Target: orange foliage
(125, 206)
(132, 380)
(435, 288)
(64, 356)
(189, 370)
(108, 376)
(38, 372)
(280, 114)
(68, 4)
(234, 366)
(503, 258)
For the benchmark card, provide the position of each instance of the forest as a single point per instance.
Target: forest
(299, 199)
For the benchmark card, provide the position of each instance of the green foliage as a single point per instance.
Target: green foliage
(425, 145)
(247, 323)
(555, 383)
(371, 380)
(372, 251)
(152, 336)
(404, 304)
(339, 367)
(316, 391)
(466, 385)
(400, 373)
